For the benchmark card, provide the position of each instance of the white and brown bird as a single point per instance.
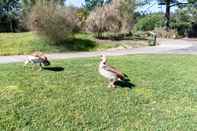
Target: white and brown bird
(37, 58)
(109, 72)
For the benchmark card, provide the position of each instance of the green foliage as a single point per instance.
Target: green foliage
(78, 98)
(168, 5)
(7, 6)
(91, 4)
(28, 4)
(149, 22)
(191, 1)
(184, 21)
(143, 2)
(9, 15)
(13, 13)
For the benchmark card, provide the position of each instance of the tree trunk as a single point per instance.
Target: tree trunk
(167, 15)
(11, 26)
(99, 35)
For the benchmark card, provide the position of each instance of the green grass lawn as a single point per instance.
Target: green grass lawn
(26, 43)
(164, 98)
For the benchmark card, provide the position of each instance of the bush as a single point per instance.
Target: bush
(82, 15)
(149, 22)
(103, 19)
(114, 17)
(162, 33)
(53, 22)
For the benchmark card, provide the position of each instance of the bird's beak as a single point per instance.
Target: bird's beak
(103, 58)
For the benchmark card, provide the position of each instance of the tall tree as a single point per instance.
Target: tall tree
(168, 4)
(91, 4)
(9, 12)
(126, 8)
(185, 20)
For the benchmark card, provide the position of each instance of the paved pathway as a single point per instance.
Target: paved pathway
(183, 46)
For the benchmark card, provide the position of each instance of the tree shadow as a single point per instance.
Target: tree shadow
(77, 44)
(125, 83)
(55, 69)
(122, 36)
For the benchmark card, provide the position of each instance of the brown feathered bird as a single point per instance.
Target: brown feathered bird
(109, 72)
(37, 58)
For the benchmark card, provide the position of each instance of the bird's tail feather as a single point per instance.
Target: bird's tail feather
(126, 78)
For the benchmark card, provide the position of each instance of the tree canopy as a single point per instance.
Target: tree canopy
(7, 6)
(168, 4)
(9, 12)
(28, 4)
(91, 4)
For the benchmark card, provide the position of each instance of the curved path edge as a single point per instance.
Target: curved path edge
(166, 46)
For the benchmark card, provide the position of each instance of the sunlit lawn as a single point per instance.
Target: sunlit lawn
(164, 98)
(26, 43)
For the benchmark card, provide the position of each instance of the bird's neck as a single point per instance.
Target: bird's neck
(103, 63)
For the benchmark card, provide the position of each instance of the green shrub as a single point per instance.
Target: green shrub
(149, 22)
(181, 22)
(185, 21)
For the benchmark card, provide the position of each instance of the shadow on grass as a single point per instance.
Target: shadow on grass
(122, 36)
(116, 38)
(55, 69)
(77, 44)
(125, 83)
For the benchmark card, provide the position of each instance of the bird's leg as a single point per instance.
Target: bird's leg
(33, 66)
(40, 69)
(110, 83)
(40, 65)
(113, 83)
(109, 86)
(26, 62)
